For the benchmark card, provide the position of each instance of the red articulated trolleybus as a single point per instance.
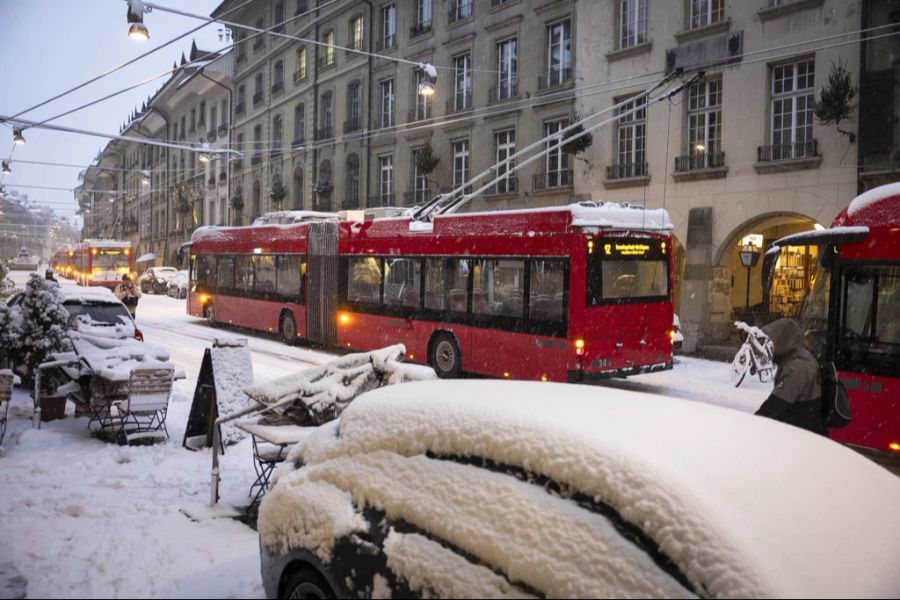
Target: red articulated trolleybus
(61, 263)
(852, 314)
(102, 262)
(567, 293)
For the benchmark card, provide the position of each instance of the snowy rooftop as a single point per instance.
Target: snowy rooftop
(745, 506)
(604, 215)
(106, 243)
(289, 217)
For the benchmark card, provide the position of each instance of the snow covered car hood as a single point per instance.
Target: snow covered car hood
(744, 506)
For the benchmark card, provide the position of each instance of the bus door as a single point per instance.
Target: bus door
(322, 283)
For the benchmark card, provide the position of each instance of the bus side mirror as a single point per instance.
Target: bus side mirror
(827, 253)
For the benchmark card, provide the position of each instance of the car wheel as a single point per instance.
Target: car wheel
(289, 329)
(210, 313)
(306, 583)
(740, 365)
(445, 357)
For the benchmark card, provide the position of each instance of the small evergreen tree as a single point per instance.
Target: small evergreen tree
(10, 333)
(44, 323)
(6, 286)
(835, 101)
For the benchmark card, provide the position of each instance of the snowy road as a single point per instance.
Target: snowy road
(81, 518)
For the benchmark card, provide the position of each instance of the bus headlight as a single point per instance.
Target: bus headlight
(894, 446)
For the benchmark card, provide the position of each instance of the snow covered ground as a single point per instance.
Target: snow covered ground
(81, 518)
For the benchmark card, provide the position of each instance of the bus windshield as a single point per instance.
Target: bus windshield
(109, 259)
(814, 313)
(627, 270)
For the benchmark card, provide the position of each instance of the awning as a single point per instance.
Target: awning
(146, 257)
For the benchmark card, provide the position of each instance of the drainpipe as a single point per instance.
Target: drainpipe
(367, 143)
(230, 121)
(315, 166)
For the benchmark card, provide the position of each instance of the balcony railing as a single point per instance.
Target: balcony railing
(799, 150)
(420, 113)
(325, 61)
(277, 87)
(258, 42)
(504, 90)
(386, 42)
(353, 50)
(626, 170)
(556, 77)
(298, 143)
(353, 124)
(553, 179)
(211, 135)
(223, 129)
(299, 76)
(460, 102)
(420, 28)
(381, 200)
(257, 99)
(462, 10)
(239, 108)
(256, 159)
(325, 133)
(695, 162)
(510, 185)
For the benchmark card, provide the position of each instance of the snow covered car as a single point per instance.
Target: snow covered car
(177, 286)
(677, 336)
(476, 489)
(102, 308)
(155, 279)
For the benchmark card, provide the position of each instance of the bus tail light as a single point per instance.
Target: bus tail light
(138, 335)
(579, 347)
(894, 446)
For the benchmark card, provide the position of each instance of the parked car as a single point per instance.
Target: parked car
(677, 336)
(155, 279)
(178, 285)
(469, 488)
(103, 309)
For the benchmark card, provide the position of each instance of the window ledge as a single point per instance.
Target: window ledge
(700, 174)
(643, 48)
(774, 12)
(701, 32)
(427, 35)
(554, 89)
(460, 22)
(624, 182)
(782, 166)
(500, 6)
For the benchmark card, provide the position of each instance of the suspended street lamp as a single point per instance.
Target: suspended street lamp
(427, 86)
(18, 138)
(136, 28)
(6, 169)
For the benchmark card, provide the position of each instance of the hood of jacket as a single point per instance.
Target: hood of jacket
(786, 337)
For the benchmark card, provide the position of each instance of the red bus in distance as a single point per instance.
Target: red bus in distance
(102, 262)
(62, 262)
(564, 293)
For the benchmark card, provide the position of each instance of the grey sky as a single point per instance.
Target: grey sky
(49, 46)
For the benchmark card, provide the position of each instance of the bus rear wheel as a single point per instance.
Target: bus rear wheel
(210, 313)
(288, 329)
(445, 357)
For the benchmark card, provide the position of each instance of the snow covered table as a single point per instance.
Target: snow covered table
(270, 445)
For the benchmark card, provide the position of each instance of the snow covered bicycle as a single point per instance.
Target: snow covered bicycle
(754, 356)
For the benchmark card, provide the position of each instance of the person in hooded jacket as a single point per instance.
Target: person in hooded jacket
(796, 398)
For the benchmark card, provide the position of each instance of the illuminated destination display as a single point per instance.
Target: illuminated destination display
(611, 249)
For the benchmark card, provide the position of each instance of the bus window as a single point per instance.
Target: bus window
(624, 270)
(499, 288)
(457, 282)
(264, 266)
(364, 280)
(243, 272)
(814, 313)
(871, 304)
(290, 278)
(402, 280)
(887, 327)
(205, 271)
(546, 297)
(225, 273)
(435, 290)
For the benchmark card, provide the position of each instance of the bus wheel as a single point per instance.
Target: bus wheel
(288, 329)
(445, 357)
(210, 314)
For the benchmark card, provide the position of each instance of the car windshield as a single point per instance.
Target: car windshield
(106, 314)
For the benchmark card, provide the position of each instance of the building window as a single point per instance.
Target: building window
(559, 53)
(706, 12)
(792, 110)
(329, 47)
(224, 113)
(183, 126)
(461, 10)
(704, 141)
(300, 73)
(462, 90)
(302, 7)
(239, 144)
(424, 103)
(631, 140)
(325, 180)
(279, 16)
(258, 41)
(508, 68)
(257, 143)
(257, 89)
(352, 192)
(420, 180)
(386, 180)
(193, 120)
(202, 121)
(354, 107)
(213, 119)
(423, 18)
(327, 116)
(356, 33)
(632, 22)
(388, 27)
(277, 134)
(298, 188)
(241, 101)
(505, 142)
(387, 103)
(257, 206)
(556, 163)
(278, 77)
(461, 164)
(299, 125)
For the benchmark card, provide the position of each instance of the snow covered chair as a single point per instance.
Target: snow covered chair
(6, 386)
(142, 415)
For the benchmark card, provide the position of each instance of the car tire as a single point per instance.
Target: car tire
(307, 583)
(288, 329)
(445, 357)
(209, 312)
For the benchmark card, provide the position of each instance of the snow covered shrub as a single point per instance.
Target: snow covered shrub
(6, 286)
(10, 333)
(43, 326)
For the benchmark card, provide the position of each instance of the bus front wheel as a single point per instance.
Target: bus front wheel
(288, 329)
(210, 313)
(445, 357)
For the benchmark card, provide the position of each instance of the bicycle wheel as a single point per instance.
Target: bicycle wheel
(740, 365)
